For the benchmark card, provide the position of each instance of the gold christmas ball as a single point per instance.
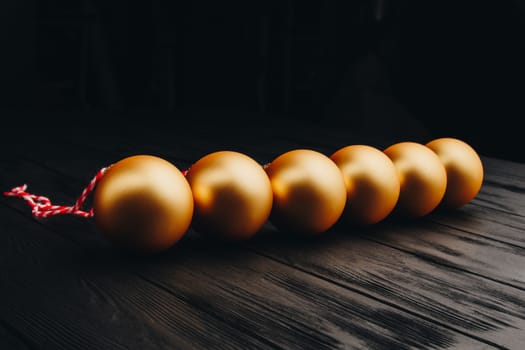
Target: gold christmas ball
(372, 183)
(308, 190)
(464, 170)
(422, 177)
(232, 195)
(143, 203)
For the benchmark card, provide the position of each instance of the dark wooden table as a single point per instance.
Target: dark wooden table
(449, 280)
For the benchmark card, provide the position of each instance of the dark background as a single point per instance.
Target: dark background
(397, 68)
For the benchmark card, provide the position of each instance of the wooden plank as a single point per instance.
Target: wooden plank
(504, 167)
(480, 220)
(211, 294)
(299, 303)
(89, 300)
(456, 248)
(488, 309)
(448, 308)
(84, 278)
(45, 298)
(113, 293)
(502, 196)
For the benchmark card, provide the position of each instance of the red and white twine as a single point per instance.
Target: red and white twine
(42, 207)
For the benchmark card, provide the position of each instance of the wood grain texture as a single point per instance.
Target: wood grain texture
(64, 296)
(480, 220)
(459, 249)
(451, 280)
(466, 302)
(199, 296)
(450, 247)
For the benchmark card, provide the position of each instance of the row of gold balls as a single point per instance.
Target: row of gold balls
(144, 203)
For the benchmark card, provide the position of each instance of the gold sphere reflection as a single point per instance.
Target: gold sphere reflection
(232, 195)
(464, 170)
(309, 191)
(422, 176)
(372, 183)
(143, 203)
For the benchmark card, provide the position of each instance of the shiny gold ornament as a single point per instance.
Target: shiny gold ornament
(232, 195)
(143, 203)
(372, 183)
(309, 191)
(422, 176)
(464, 170)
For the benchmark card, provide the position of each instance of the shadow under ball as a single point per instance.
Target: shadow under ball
(372, 183)
(232, 195)
(309, 192)
(464, 170)
(143, 203)
(422, 178)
